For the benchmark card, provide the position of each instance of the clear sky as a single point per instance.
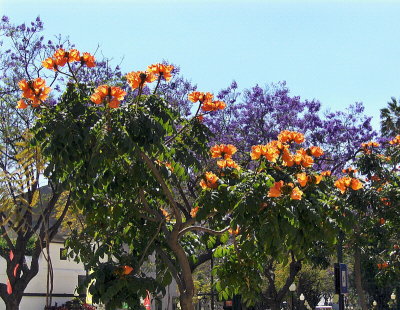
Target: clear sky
(338, 52)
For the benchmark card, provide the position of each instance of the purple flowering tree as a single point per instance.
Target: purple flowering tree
(261, 113)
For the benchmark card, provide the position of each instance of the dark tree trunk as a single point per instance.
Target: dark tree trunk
(275, 297)
(358, 278)
(12, 302)
(186, 301)
(275, 305)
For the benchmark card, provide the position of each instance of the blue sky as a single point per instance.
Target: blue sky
(338, 52)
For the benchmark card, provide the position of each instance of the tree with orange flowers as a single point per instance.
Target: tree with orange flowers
(26, 206)
(373, 210)
(28, 218)
(280, 213)
(135, 165)
(146, 181)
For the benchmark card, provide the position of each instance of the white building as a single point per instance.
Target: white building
(67, 275)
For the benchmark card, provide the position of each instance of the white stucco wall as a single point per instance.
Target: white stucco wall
(65, 280)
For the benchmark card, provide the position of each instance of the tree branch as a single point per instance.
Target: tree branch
(149, 244)
(167, 260)
(200, 228)
(164, 187)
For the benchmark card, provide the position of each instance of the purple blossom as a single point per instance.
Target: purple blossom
(261, 113)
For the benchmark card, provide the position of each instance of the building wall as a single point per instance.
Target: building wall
(65, 280)
(66, 274)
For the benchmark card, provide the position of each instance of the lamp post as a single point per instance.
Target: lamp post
(302, 298)
(393, 298)
(374, 303)
(292, 288)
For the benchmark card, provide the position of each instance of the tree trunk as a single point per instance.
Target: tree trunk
(358, 278)
(275, 305)
(12, 303)
(186, 301)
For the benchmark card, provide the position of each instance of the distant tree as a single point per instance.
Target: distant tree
(390, 119)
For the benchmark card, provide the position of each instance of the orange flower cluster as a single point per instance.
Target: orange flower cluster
(165, 164)
(279, 188)
(270, 151)
(111, 94)
(35, 92)
(124, 270)
(137, 79)
(194, 211)
(210, 181)
(345, 182)
(223, 150)
(206, 100)
(161, 70)
(316, 151)
(290, 136)
(228, 163)
(383, 265)
(375, 178)
(367, 147)
(234, 232)
(200, 96)
(61, 57)
(213, 106)
(383, 157)
(166, 214)
(300, 158)
(349, 170)
(274, 149)
(140, 78)
(326, 173)
(303, 179)
(396, 140)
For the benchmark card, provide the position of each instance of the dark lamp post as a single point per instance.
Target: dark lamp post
(292, 288)
(393, 298)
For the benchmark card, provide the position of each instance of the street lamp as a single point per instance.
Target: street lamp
(374, 303)
(292, 288)
(393, 298)
(302, 298)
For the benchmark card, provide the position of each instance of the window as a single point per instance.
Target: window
(63, 254)
(81, 285)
